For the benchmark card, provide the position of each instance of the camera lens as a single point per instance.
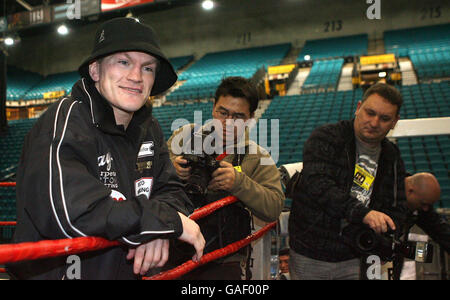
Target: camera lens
(366, 240)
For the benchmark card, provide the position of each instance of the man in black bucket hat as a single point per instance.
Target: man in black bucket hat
(128, 34)
(96, 164)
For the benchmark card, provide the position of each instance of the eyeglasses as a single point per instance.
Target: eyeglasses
(223, 114)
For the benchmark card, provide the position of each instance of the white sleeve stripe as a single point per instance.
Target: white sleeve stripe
(90, 101)
(56, 117)
(157, 232)
(50, 174)
(130, 242)
(147, 232)
(63, 198)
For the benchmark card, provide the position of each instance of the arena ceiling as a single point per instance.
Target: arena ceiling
(10, 7)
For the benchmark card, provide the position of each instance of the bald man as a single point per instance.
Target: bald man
(422, 191)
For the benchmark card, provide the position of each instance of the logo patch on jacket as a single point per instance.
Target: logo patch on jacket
(146, 149)
(105, 160)
(107, 173)
(143, 186)
(117, 196)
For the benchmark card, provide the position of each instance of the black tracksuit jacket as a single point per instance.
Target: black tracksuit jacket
(82, 175)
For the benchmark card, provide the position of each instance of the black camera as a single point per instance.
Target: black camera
(202, 166)
(366, 241)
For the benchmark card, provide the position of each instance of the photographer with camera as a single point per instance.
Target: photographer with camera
(351, 176)
(422, 192)
(244, 172)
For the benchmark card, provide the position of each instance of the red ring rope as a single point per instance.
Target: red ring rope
(7, 184)
(51, 248)
(8, 223)
(209, 208)
(231, 248)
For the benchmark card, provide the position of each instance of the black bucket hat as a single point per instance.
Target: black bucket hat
(128, 34)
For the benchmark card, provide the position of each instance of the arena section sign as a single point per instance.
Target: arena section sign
(37, 16)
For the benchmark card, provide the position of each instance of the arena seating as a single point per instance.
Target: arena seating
(7, 204)
(324, 74)
(10, 147)
(181, 61)
(11, 144)
(203, 77)
(427, 47)
(54, 82)
(7, 212)
(19, 82)
(429, 154)
(426, 100)
(167, 114)
(335, 47)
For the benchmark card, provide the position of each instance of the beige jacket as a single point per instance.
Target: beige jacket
(258, 186)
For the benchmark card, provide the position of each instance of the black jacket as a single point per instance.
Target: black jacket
(322, 204)
(82, 175)
(436, 226)
(433, 224)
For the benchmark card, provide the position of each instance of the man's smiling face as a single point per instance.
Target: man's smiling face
(125, 79)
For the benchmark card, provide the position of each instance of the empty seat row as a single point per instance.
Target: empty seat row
(202, 78)
(428, 48)
(354, 45)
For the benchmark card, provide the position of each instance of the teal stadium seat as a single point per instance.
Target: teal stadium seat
(203, 77)
(51, 83)
(10, 147)
(429, 154)
(335, 47)
(324, 74)
(427, 47)
(19, 83)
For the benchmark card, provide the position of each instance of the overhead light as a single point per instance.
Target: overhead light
(9, 41)
(382, 74)
(208, 4)
(307, 57)
(63, 30)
